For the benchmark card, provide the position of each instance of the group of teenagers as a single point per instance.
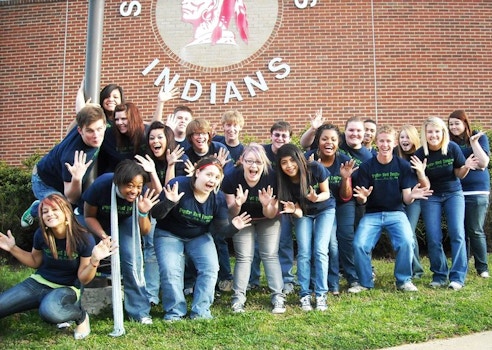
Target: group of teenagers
(176, 193)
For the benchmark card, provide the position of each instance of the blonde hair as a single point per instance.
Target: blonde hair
(414, 137)
(259, 152)
(233, 117)
(437, 123)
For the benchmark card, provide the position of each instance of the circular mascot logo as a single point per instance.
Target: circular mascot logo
(217, 34)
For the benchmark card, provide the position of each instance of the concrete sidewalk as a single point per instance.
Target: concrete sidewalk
(481, 341)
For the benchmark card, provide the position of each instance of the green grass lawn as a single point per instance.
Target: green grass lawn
(375, 319)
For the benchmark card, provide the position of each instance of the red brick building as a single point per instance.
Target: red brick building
(393, 61)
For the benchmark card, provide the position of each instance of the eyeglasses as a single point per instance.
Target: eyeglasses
(198, 134)
(251, 162)
(277, 135)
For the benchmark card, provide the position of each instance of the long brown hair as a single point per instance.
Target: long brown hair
(136, 128)
(465, 137)
(76, 234)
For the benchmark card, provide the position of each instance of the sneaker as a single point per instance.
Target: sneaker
(455, 286)
(408, 287)
(146, 320)
(306, 303)
(188, 291)
(252, 287)
(238, 308)
(357, 289)
(435, 284)
(335, 293)
(278, 307)
(288, 288)
(485, 274)
(321, 303)
(64, 325)
(27, 219)
(225, 285)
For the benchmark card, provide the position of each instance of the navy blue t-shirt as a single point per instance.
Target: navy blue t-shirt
(318, 174)
(112, 154)
(99, 195)
(476, 180)
(252, 205)
(388, 181)
(52, 169)
(213, 149)
(190, 218)
(440, 168)
(62, 270)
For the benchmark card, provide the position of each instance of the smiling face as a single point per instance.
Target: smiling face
(385, 142)
(328, 143)
(110, 102)
(183, 118)
(133, 189)
(456, 126)
(199, 142)
(290, 167)
(253, 168)
(369, 133)
(405, 143)
(158, 143)
(208, 178)
(433, 135)
(121, 121)
(279, 138)
(53, 216)
(354, 134)
(231, 133)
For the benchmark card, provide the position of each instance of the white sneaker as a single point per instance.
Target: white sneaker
(278, 307)
(455, 286)
(485, 274)
(357, 289)
(321, 304)
(306, 303)
(146, 320)
(435, 284)
(225, 285)
(238, 308)
(188, 291)
(288, 288)
(408, 287)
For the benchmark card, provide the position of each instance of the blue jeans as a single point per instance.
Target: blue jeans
(413, 214)
(453, 206)
(55, 305)
(345, 215)
(41, 191)
(366, 237)
(266, 232)
(313, 237)
(333, 261)
(476, 207)
(224, 258)
(136, 302)
(171, 251)
(151, 267)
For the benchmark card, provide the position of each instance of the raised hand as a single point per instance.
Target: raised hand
(104, 248)
(266, 196)
(288, 207)
(148, 200)
(317, 120)
(79, 167)
(348, 168)
(418, 165)
(241, 196)
(312, 195)
(189, 167)
(146, 163)
(421, 192)
(362, 192)
(172, 192)
(222, 156)
(7, 242)
(175, 156)
(165, 95)
(171, 121)
(241, 221)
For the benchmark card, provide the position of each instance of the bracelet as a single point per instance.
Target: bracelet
(143, 215)
(94, 265)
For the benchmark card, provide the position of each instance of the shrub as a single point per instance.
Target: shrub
(15, 197)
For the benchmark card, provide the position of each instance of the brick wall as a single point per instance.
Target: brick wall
(430, 58)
